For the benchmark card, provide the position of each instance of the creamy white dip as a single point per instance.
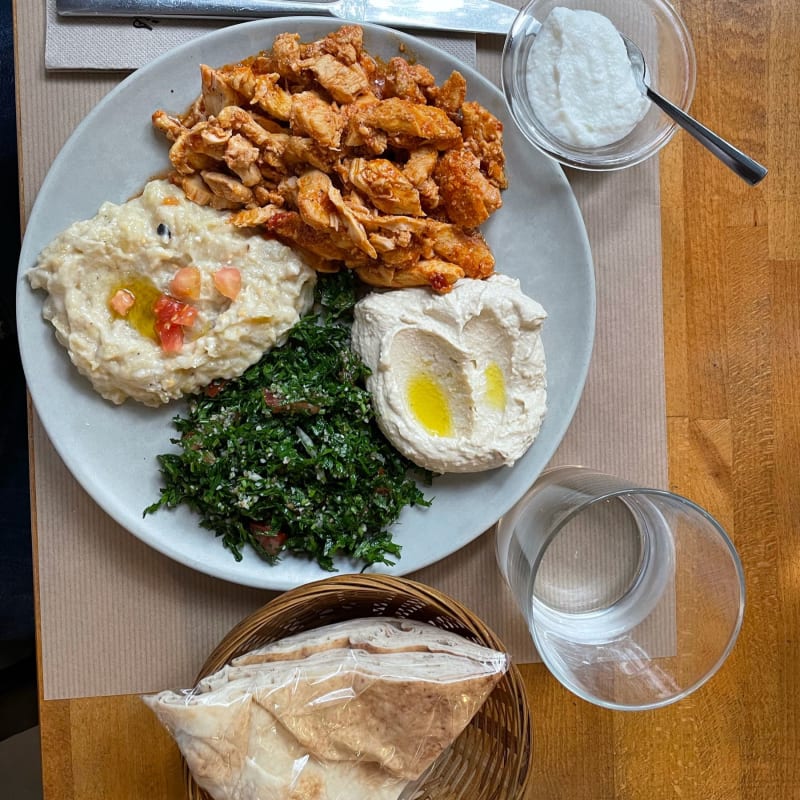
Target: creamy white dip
(458, 380)
(142, 244)
(580, 82)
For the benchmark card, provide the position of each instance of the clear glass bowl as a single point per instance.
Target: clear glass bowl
(671, 70)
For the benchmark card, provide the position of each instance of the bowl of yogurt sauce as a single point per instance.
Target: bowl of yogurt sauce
(570, 87)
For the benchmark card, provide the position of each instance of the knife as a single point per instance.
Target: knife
(468, 16)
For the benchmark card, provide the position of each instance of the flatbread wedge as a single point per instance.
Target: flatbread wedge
(400, 710)
(350, 710)
(237, 750)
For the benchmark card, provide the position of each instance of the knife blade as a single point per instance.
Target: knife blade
(467, 16)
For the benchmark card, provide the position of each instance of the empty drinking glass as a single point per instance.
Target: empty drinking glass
(633, 596)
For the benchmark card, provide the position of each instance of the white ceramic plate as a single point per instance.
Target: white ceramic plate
(538, 236)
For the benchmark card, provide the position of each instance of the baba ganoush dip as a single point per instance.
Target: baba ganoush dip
(246, 292)
(458, 381)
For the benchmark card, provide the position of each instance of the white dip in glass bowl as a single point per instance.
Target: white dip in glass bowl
(571, 91)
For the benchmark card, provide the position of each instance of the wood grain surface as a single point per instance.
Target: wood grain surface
(731, 256)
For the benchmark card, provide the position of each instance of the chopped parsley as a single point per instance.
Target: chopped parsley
(288, 457)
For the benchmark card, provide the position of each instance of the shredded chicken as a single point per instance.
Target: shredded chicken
(355, 162)
(467, 194)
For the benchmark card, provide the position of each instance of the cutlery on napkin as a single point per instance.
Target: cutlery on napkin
(469, 16)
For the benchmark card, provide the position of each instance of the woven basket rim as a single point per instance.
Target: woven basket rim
(356, 582)
(433, 603)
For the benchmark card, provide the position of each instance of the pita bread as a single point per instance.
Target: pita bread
(400, 710)
(347, 711)
(376, 635)
(237, 750)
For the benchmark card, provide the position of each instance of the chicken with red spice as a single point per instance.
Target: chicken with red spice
(353, 161)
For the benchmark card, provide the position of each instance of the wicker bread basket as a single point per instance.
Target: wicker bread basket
(490, 760)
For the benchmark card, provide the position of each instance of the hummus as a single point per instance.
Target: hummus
(458, 380)
(138, 247)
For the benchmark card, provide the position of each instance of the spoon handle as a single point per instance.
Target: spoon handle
(744, 166)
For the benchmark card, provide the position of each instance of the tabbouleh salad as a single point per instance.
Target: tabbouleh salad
(288, 457)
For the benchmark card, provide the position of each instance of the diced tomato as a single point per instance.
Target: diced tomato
(278, 406)
(271, 542)
(187, 316)
(215, 387)
(228, 281)
(272, 400)
(122, 302)
(171, 337)
(185, 284)
(172, 316)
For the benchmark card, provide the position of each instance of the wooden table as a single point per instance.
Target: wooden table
(731, 266)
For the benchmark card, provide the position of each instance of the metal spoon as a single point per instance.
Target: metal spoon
(744, 166)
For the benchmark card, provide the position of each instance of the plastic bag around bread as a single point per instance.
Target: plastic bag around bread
(352, 710)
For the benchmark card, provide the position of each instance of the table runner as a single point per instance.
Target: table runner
(117, 617)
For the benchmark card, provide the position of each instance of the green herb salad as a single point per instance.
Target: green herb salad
(288, 457)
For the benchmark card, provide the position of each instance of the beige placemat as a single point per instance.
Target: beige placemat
(116, 617)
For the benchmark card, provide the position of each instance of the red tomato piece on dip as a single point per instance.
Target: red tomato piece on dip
(172, 316)
(185, 284)
(228, 281)
(122, 302)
